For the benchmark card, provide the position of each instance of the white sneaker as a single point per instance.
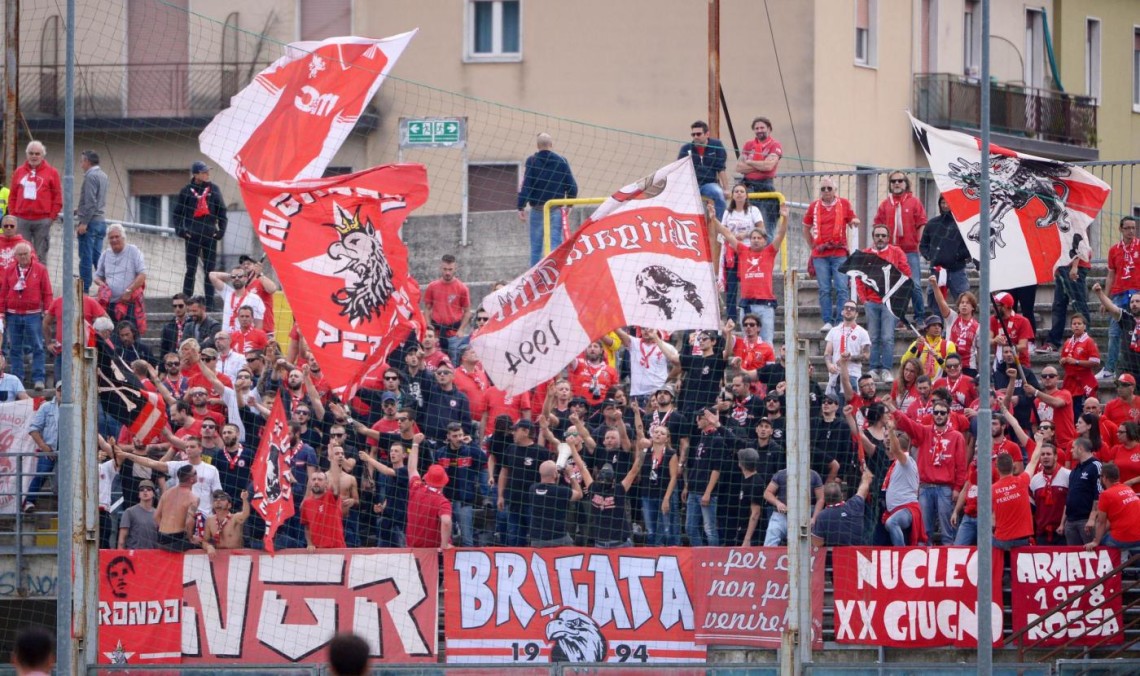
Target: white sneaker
(825, 328)
(1104, 374)
(887, 376)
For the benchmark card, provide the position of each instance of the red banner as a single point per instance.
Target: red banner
(1044, 577)
(335, 244)
(271, 474)
(570, 605)
(911, 596)
(741, 596)
(140, 612)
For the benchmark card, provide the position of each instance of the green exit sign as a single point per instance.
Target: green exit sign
(433, 131)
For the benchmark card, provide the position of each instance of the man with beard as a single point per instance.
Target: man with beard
(174, 330)
(246, 336)
(831, 453)
(200, 219)
(880, 322)
(299, 390)
(1013, 380)
(232, 461)
(224, 528)
(866, 396)
(518, 471)
(941, 467)
(391, 506)
(703, 373)
(448, 302)
(201, 326)
(1050, 489)
(848, 348)
(746, 506)
(417, 379)
(1055, 404)
(465, 464)
(1084, 489)
(742, 409)
(235, 294)
(1128, 357)
(905, 218)
(137, 527)
(323, 511)
(263, 287)
(1009, 328)
(229, 361)
(591, 378)
(758, 164)
(444, 404)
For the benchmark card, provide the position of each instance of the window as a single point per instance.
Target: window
(1034, 48)
(972, 40)
(494, 30)
(153, 194)
(865, 33)
(1136, 69)
(1092, 58)
(492, 187)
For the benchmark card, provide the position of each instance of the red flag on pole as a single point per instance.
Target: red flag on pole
(272, 474)
(335, 244)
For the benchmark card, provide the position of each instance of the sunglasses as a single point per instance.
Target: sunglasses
(177, 306)
(209, 358)
(402, 419)
(827, 189)
(303, 413)
(751, 324)
(172, 364)
(1045, 427)
(898, 180)
(391, 377)
(337, 435)
(941, 412)
(1049, 375)
(481, 320)
(209, 427)
(9, 226)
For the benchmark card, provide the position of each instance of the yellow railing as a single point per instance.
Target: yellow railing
(570, 202)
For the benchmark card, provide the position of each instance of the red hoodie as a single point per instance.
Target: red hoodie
(941, 456)
(48, 200)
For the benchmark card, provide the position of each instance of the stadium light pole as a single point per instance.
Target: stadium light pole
(985, 411)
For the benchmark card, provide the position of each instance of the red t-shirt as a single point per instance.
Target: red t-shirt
(252, 339)
(500, 403)
(1019, 329)
(1061, 417)
(963, 390)
(91, 310)
(448, 301)
(321, 515)
(1013, 516)
(1081, 380)
(1124, 259)
(1120, 412)
(384, 426)
(587, 378)
(1122, 507)
(971, 506)
(473, 384)
(1128, 460)
(754, 270)
(753, 355)
(425, 506)
(756, 151)
(267, 324)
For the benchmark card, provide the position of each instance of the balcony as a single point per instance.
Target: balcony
(1038, 121)
(138, 97)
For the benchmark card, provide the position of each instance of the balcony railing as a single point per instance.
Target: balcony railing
(121, 91)
(945, 100)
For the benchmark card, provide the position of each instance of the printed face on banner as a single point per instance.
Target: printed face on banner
(563, 605)
(140, 612)
(17, 453)
(336, 247)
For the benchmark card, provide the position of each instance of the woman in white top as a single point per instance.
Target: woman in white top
(740, 217)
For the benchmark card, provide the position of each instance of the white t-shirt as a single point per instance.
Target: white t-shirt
(107, 474)
(648, 368)
(206, 482)
(740, 223)
(232, 301)
(843, 338)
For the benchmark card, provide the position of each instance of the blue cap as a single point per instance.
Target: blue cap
(198, 167)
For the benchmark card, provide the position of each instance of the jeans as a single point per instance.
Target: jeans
(516, 527)
(914, 260)
(777, 532)
(26, 334)
(714, 192)
(700, 522)
(956, 284)
(662, 530)
(767, 314)
(464, 515)
(206, 251)
(1009, 545)
(1127, 547)
(967, 535)
(936, 507)
(90, 246)
(881, 326)
(45, 465)
(536, 232)
(830, 278)
(1120, 300)
(896, 526)
(769, 209)
(1064, 291)
(731, 295)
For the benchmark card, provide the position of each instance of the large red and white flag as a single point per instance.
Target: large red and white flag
(271, 473)
(335, 244)
(1040, 209)
(642, 259)
(290, 121)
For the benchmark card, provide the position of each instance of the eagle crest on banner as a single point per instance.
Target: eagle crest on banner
(367, 275)
(1014, 183)
(576, 638)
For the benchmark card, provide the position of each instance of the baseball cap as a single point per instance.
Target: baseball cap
(1127, 379)
(388, 396)
(579, 401)
(610, 402)
(1004, 299)
(831, 397)
(198, 167)
(436, 476)
(146, 484)
(524, 424)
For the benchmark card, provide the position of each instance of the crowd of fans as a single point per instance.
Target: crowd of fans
(644, 439)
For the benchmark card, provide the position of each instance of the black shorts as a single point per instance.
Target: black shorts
(175, 542)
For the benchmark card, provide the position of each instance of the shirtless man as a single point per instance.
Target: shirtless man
(347, 489)
(175, 513)
(223, 529)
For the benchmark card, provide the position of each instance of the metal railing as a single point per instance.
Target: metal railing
(946, 100)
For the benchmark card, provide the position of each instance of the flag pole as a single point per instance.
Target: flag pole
(985, 412)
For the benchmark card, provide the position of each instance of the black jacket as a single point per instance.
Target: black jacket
(212, 226)
(942, 243)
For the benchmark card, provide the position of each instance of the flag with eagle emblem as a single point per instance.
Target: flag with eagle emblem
(1040, 209)
(270, 474)
(335, 244)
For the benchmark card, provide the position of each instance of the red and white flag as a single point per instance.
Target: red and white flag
(642, 259)
(271, 473)
(123, 397)
(290, 121)
(1040, 209)
(335, 244)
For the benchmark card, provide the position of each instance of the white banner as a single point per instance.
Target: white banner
(15, 416)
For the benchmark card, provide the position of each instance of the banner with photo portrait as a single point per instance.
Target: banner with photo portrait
(140, 607)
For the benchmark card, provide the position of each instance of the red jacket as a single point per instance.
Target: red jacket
(913, 220)
(36, 296)
(943, 465)
(49, 193)
(893, 255)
